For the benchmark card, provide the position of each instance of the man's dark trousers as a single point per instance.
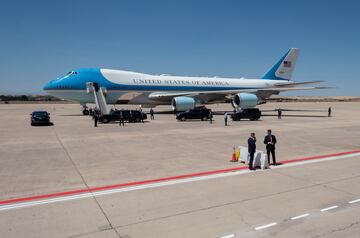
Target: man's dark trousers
(271, 149)
(251, 162)
(95, 121)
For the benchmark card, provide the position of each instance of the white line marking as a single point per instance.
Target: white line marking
(354, 201)
(300, 216)
(266, 226)
(159, 184)
(316, 160)
(328, 208)
(228, 236)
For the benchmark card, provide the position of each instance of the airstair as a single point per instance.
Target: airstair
(99, 95)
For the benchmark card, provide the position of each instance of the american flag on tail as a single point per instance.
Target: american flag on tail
(287, 64)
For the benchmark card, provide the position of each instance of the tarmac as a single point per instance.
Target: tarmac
(165, 178)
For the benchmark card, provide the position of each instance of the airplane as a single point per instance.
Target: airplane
(181, 92)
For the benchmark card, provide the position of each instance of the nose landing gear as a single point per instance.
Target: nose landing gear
(85, 110)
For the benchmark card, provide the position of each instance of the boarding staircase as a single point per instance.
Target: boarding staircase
(99, 95)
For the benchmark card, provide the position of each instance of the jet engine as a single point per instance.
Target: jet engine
(245, 100)
(184, 103)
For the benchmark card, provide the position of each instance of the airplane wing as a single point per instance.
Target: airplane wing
(300, 83)
(208, 96)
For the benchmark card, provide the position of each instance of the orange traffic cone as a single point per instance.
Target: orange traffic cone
(233, 156)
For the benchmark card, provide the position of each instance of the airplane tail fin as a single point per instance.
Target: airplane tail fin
(284, 68)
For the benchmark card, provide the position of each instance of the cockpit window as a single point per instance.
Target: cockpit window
(71, 72)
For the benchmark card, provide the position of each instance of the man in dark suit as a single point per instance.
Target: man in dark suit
(251, 149)
(270, 141)
(96, 118)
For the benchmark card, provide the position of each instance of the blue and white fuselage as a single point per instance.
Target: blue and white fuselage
(181, 91)
(118, 82)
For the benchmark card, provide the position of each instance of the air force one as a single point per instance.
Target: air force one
(181, 92)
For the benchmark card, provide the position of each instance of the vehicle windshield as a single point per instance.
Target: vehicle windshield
(42, 114)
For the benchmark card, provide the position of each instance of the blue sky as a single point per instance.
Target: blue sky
(41, 40)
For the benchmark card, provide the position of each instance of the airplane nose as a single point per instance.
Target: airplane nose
(46, 86)
(49, 85)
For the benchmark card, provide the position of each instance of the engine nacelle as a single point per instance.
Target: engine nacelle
(245, 100)
(183, 103)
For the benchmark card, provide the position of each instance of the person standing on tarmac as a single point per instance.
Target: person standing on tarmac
(270, 141)
(96, 118)
(225, 118)
(152, 114)
(329, 112)
(251, 149)
(279, 113)
(121, 118)
(210, 116)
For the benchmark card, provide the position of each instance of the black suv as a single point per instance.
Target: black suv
(128, 115)
(251, 113)
(202, 114)
(40, 117)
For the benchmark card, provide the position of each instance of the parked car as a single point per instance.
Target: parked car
(40, 117)
(202, 114)
(128, 115)
(251, 113)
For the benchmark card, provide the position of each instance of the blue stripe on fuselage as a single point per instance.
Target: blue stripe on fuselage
(78, 82)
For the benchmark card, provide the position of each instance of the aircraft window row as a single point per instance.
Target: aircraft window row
(63, 86)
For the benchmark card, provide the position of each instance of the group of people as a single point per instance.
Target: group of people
(269, 141)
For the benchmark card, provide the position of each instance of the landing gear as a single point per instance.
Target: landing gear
(85, 110)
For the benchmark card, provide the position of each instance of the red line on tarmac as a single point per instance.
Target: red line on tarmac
(136, 183)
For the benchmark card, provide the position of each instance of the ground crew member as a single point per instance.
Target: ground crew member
(329, 112)
(210, 116)
(152, 114)
(225, 118)
(270, 141)
(96, 118)
(251, 149)
(279, 113)
(121, 117)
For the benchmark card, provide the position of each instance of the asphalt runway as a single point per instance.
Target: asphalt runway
(166, 178)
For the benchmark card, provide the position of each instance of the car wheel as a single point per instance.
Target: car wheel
(137, 119)
(204, 119)
(105, 120)
(85, 112)
(183, 119)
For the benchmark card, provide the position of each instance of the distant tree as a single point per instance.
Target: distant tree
(24, 98)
